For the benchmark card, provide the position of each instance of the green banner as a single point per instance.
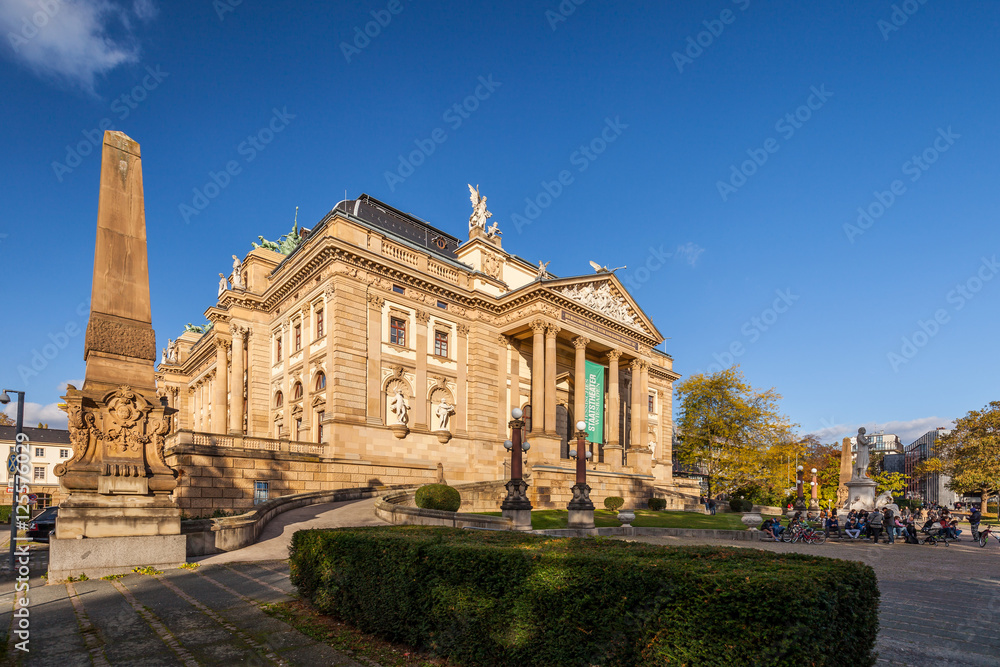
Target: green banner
(593, 412)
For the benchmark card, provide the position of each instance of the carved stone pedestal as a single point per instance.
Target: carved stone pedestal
(516, 505)
(443, 436)
(399, 430)
(861, 494)
(581, 508)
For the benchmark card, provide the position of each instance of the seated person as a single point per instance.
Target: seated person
(766, 528)
(852, 529)
(910, 531)
(831, 525)
(777, 528)
(953, 531)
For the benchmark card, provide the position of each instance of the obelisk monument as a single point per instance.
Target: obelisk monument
(845, 472)
(119, 513)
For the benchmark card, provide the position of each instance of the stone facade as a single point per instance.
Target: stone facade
(337, 364)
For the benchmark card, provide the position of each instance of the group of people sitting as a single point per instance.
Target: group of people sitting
(862, 524)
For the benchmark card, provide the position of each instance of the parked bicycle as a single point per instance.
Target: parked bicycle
(985, 535)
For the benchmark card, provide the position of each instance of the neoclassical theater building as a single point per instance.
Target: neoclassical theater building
(377, 350)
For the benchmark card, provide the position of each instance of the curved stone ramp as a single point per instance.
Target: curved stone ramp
(276, 536)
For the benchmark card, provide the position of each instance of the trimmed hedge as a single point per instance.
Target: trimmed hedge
(740, 505)
(505, 598)
(656, 504)
(438, 497)
(614, 503)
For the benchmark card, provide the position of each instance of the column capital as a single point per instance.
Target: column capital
(462, 330)
(329, 291)
(551, 331)
(423, 317)
(635, 364)
(538, 326)
(504, 340)
(222, 343)
(238, 330)
(376, 301)
(581, 343)
(614, 355)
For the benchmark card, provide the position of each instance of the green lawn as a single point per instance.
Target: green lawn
(549, 519)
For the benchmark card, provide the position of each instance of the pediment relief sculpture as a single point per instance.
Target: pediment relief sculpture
(603, 300)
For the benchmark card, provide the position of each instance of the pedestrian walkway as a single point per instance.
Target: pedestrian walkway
(210, 616)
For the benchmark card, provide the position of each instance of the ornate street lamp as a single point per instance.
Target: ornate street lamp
(581, 508)
(15, 480)
(800, 501)
(516, 505)
(814, 496)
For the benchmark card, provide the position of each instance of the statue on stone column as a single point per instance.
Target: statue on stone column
(861, 462)
(444, 411)
(494, 231)
(223, 284)
(398, 407)
(543, 273)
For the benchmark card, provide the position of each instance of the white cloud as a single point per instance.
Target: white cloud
(908, 431)
(73, 41)
(36, 413)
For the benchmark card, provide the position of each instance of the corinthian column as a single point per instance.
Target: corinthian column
(538, 377)
(637, 407)
(644, 408)
(613, 456)
(236, 383)
(551, 332)
(220, 398)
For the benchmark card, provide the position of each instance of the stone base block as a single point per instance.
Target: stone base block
(521, 518)
(581, 519)
(101, 556)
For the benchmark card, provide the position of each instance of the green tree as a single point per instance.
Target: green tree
(893, 482)
(970, 454)
(728, 426)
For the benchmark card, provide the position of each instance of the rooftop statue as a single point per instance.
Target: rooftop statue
(199, 329)
(479, 213)
(287, 243)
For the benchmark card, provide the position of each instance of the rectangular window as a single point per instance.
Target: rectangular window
(259, 493)
(443, 305)
(651, 409)
(39, 474)
(278, 346)
(397, 331)
(398, 290)
(298, 337)
(319, 324)
(39, 452)
(441, 343)
(319, 426)
(64, 453)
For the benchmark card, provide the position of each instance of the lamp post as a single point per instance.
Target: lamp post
(800, 501)
(814, 496)
(516, 505)
(18, 438)
(581, 508)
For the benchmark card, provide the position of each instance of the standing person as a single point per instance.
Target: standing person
(704, 501)
(890, 529)
(875, 525)
(711, 506)
(974, 520)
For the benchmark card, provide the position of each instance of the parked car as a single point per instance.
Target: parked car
(43, 524)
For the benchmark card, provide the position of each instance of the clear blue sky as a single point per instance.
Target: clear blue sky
(866, 92)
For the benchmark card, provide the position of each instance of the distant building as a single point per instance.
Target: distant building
(47, 448)
(894, 463)
(882, 443)
(931, 488)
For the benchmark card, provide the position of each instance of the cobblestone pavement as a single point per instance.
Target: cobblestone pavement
(940, 605)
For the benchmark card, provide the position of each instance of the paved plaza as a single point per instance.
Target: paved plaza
(939, 605)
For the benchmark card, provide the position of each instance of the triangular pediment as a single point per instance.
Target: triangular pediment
(605, 294)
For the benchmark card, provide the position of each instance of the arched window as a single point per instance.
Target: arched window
(297, 391)
(279, 399)
(320, 381)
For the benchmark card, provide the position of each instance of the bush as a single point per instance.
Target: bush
(438, 497)
(740, 505)
(656, 504)
(4, 513)
(506, 598)
(614, 503)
